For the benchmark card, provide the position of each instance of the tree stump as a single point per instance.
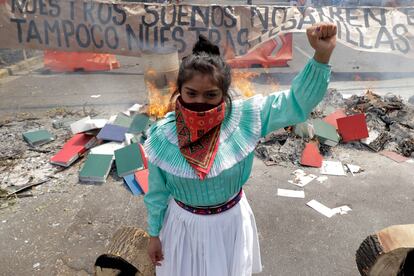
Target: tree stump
(126, 255)
(387, 252)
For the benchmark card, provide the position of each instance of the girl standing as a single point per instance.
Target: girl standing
(201, 155)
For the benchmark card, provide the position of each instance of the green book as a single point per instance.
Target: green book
(139, 123)
(38, 137)
(325, 132)
(96, 168)
(128, 160)
(122, 120)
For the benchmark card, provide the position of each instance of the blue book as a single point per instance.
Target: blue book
(133, 184)
(112, 133)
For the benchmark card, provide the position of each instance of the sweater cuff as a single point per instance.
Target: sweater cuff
(320, 65)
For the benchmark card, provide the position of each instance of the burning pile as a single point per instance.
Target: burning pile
(242, 81)
(390, 124)
(159, 99)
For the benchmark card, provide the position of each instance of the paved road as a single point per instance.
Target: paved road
(37, 90)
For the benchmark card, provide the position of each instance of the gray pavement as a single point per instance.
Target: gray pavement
(67, 225)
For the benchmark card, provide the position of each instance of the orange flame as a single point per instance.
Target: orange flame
(159, 99)
(243, 82)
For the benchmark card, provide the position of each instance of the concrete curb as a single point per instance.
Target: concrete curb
(20, 66)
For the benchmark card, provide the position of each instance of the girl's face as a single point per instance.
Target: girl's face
(200, 89)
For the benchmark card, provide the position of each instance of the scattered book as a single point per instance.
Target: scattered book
(86, 124)
(38, 137)
(73, 149)
(128, 160)
(139, 123)
(96, 168)
(311, 156)
(353, 128)
(142, 178)
(132, 184)
(112, 132)
(107, 148)
(325, 133)
(122, 120)
(331, 118)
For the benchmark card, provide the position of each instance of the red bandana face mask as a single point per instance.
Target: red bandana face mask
(198, 135)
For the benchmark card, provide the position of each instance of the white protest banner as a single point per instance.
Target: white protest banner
(130, 28)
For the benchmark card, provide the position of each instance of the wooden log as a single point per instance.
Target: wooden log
(126, 255)
(387, 252)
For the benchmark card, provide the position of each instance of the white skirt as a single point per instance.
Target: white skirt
(210, 245)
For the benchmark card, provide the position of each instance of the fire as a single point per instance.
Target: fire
(243, 82)
(159, 99)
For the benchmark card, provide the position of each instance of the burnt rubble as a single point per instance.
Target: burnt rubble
(390, 122)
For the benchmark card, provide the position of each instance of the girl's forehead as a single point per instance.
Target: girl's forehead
(201, 82)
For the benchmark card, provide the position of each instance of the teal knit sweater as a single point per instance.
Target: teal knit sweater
(170, 175)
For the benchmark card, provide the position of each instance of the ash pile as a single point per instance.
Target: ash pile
(388, 123)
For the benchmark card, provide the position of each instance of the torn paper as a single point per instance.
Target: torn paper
(301, 178)
(342, 210)
(353, 169)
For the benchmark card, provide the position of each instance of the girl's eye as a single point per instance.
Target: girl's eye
(191, 94)
(212, 95)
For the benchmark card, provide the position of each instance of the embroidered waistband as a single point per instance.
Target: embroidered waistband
(211, 210)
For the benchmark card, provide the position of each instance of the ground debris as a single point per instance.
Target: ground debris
(23, 166)
(390, 122)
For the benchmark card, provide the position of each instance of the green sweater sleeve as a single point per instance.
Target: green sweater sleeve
(294, 106)
(156, 199)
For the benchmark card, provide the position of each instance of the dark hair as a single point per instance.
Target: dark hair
(205, 59)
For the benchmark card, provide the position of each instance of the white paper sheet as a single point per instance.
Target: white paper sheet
(290, 193)
(332, 168)
(80, 125)
(319, 207)
(326, 211)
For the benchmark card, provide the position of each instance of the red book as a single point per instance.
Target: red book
(144, 157)
(311, 156)
(75, 147)
(141, 177)
(353, 127)
(331, 118)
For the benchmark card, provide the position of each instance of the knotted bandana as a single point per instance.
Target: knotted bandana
(198, 135)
